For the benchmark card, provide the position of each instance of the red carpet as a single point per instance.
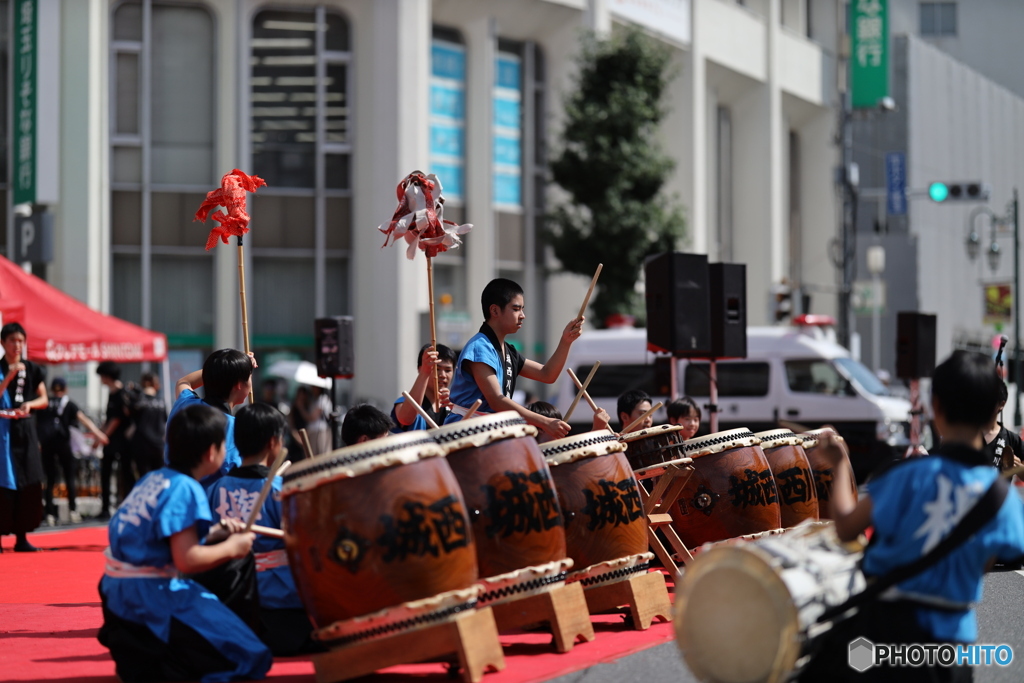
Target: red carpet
(50, 613)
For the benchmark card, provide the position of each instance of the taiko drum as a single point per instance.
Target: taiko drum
(823, 473)
(731, 492)
(376, 525)
(798, 497)
(512, 504)
(599, 496)
(653, 446)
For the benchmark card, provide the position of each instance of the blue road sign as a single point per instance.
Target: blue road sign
(896, 183)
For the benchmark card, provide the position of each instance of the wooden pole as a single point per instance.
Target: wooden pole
(433, 326)
(265, 491)
(306, 445)
(245, 311)
(419, 409)
(586, 396)
(643, 417)
(267, 531)
(593, 283)
(472, 409)
(583, 390)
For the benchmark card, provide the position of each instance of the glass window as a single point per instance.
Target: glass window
(188, 307)
(125, 219)
(938, 18)
(735, 380)
(448, 113)
(861, 375)
(126, 114)
(816, 376)
(172, 220)
(507, 108)
(126, 293)
(128, 21)
(282, 311)
(614, 380)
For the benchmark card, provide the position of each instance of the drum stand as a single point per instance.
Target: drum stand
(471, 638)
(671, 477)
(562, 608)
(646, 595)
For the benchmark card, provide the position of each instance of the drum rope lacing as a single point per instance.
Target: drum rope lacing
(342, 460)
(455, 435)
(615, 575)
(592, 441)
(702, 444)
(534, 584)
(420, 620)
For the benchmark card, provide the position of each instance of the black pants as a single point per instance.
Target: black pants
(115, 451)
(55, 454)
(881, 623)
(288, 632)
(234, 583)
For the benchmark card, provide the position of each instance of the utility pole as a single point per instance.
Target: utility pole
(1016, 309)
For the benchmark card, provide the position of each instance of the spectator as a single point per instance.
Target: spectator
(149, 415)
(118, 420)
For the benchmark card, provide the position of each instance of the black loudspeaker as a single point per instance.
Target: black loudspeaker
(334, 346)
(728, 291)
(678, 317)
(915, 344)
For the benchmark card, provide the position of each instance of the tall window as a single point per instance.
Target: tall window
(161, 146)
(938, 19)
(302, 146)
(4, 128)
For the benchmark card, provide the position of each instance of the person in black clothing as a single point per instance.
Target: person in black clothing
(21, 468)
(116, 429)
(149, 415)
(364, 423)
(1003, 447)
(53, 424)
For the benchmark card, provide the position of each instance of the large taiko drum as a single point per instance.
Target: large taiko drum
(605, 526)
(731, 492)
(513, 508)
(823, 474)
(653, 446)
(744, 612)
(375, 526)
(798, 497)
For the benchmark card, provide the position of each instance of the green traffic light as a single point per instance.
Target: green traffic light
(938, 191)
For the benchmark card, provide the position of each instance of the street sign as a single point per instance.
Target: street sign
(24, 45)
(865, 297)
(869, 56)
(896, 183)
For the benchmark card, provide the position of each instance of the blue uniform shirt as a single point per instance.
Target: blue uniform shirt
(419, 423)
(914, 506)
(234, 495)
(189, 397)
(482, 348)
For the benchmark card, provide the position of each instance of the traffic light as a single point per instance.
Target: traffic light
(782, 302)
(972, 191)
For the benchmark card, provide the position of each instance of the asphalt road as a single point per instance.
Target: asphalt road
(1000, 621)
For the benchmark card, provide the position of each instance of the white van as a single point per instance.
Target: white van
(790, 373)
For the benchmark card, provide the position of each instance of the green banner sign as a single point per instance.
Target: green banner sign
(869, 52)
(24, 44)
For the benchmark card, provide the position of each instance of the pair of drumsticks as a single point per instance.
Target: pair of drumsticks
(582, 386)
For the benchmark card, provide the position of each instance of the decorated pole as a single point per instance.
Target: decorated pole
(235, 221)
(419, 220)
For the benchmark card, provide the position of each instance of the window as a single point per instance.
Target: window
(162, 133)
(861, 375)
(448, 112)
(816, 376)
(614, 380)
(938, 19)
(302, 146)
(735, 380)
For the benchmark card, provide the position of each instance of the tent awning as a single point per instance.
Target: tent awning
(61, 329)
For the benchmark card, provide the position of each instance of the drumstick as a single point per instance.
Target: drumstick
(265, 491)
(267, 531)
(586, 395)
(794, 427)
(472, 409)
(643, 417)
(593, 283)
(306, 445)
(583, 390)
(419, 409)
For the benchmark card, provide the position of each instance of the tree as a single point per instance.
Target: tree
(611, 165)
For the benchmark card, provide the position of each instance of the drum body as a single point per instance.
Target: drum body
(744, 611)
(798, 497)
(599, 496)
(376, 525)
(653, 446)
(823, 474)
(731, 492)
(514, 511)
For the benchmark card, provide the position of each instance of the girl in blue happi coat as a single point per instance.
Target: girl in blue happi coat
(158, 625)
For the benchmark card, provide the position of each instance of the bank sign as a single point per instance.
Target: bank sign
(26, 38)
(869, 55)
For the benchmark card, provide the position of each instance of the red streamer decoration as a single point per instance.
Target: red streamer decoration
(231, 196)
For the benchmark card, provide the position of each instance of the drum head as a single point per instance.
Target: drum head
(720, 441)
(774, 438)
(811, 438)
(735, 621)
(360, 459)
(589, 445)
(645, 433)
(481, 430)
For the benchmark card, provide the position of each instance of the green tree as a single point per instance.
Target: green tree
(611, 165)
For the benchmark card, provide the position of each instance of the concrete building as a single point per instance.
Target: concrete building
(333, 102)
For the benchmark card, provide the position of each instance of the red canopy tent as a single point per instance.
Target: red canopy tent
(61, 329)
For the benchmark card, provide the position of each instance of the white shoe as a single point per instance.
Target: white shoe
(75, 517)
(51, 520)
